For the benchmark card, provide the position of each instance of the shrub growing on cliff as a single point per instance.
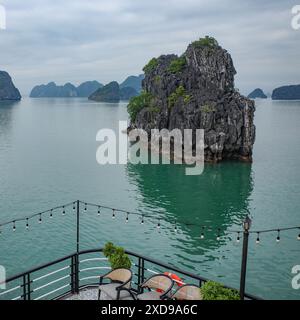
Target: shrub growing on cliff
(178, 93)
(136, 104)
(206, 42)
(151, 65)
(177, 65)
(215, 291)
(207, 108)
(116, 256)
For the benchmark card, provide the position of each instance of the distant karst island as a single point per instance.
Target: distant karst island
(291, 92)
(196, 90)
(128, 88)
(8, 91)
(257, 93)
(51, 90)
(112, 92)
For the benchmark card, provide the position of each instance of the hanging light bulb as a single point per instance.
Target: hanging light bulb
(113, 214)
(238, 238)
(257, 239)
(142, 221)
(14, 226)
(27, 224)
(278, 237)
(202, 233)
(64, 211)
(99, 212)
(40, 219)
(51, 213)
(218, 236)
(127, 217)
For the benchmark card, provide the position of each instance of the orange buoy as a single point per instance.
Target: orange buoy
(175, 278)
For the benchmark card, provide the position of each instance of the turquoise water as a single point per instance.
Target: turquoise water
(48, 157)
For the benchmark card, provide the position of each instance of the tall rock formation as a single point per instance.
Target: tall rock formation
(7, 89)
(196, 91)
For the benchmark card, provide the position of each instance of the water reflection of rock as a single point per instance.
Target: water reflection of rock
(217, 198)
(6, 114)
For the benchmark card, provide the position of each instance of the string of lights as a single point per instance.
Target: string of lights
(143, 217)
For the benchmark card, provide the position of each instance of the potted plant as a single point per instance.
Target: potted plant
(116, 256)
(215, 291)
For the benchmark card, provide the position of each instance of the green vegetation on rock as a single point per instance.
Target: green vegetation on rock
(179, 93)
(157, 80)
(151, 65)
(136, 104)
(207, 108)
(215, 291)
(177, 65)
(116, 256)
(205, 42)
(154, 109)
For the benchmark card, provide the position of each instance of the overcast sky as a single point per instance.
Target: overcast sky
(79, 40)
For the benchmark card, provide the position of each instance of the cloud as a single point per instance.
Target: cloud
(82, 40)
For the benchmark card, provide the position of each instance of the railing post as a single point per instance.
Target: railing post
(246, 226)
(143, 273)
(76, 269)
(139, 271)
(24, 288)
(72, 274)
(28, 287)
(77, 226)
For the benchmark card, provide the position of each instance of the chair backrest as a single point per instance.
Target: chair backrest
(121, 275)
(188, 292)
(160, 281)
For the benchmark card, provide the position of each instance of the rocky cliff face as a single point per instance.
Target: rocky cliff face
(194, 91)
(287, 93)
(7, 89)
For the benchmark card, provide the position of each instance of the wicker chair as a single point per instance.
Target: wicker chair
(119, 286)
(159, 282)
(187, 292)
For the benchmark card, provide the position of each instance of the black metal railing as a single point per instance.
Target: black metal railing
(30, 285)
(70, 274)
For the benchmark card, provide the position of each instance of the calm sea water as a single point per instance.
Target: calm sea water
(48, 158)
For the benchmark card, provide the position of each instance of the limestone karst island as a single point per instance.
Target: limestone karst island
(149, 154)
